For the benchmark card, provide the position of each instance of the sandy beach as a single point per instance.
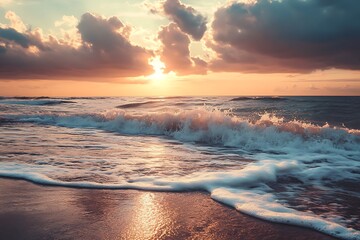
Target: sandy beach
(29, 211)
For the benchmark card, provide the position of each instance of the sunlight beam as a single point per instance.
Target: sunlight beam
(158, 67)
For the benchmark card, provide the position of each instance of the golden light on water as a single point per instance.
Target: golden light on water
(149, 221)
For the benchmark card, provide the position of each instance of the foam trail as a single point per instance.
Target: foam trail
(262, 205)
(243, 189)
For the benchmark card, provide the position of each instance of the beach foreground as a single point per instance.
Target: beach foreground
(29, 211)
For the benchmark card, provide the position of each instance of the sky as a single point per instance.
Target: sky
(173, 47)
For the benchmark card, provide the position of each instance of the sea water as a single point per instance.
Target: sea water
(293, 160)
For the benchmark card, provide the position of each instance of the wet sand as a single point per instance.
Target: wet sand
(29, 211)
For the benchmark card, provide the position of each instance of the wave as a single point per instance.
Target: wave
(243, 189)
(208, 126)
(86, 98)
(26, 98)
(138, 104)
(313, 154)
(5, 120)
(267, 138)
(37, 102)
(259, 98)
(53, 98)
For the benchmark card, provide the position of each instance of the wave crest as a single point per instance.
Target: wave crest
(137, 104)
(212, 126)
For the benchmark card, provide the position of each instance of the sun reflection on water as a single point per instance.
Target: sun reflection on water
(149, 220)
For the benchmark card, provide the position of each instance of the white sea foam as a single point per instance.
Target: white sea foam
(243, 189)
(201, 124)
(323, 148)
(263, 205)
(269, 137)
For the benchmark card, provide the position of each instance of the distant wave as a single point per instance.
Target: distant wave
(53, 98)
(85, 98)
(24, 98)
(259, 98)
(36, 102)
(138, 104)
(5, 120)
(31, 98)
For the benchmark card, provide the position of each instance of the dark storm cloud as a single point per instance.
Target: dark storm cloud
(187, 18)
(25, 40)
(10, 34)
(105, 52)
(287, 36)
(176, 54)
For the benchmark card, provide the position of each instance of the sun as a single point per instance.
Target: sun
(158, 67)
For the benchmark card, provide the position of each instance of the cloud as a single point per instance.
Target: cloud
(11, 35)
(67, 31)
(175, 52)
(287, 36)
(104, 52)
(69, 21)
(187, 18)
(345, 90)
(5, 2)
(15, 21)
(355, 80)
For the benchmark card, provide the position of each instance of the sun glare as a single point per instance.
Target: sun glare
(158, 67)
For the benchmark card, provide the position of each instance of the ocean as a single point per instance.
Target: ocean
(292, 160)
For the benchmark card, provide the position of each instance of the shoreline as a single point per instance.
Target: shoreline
(34, 211)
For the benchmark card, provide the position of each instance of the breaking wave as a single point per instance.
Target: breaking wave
(213, 127)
